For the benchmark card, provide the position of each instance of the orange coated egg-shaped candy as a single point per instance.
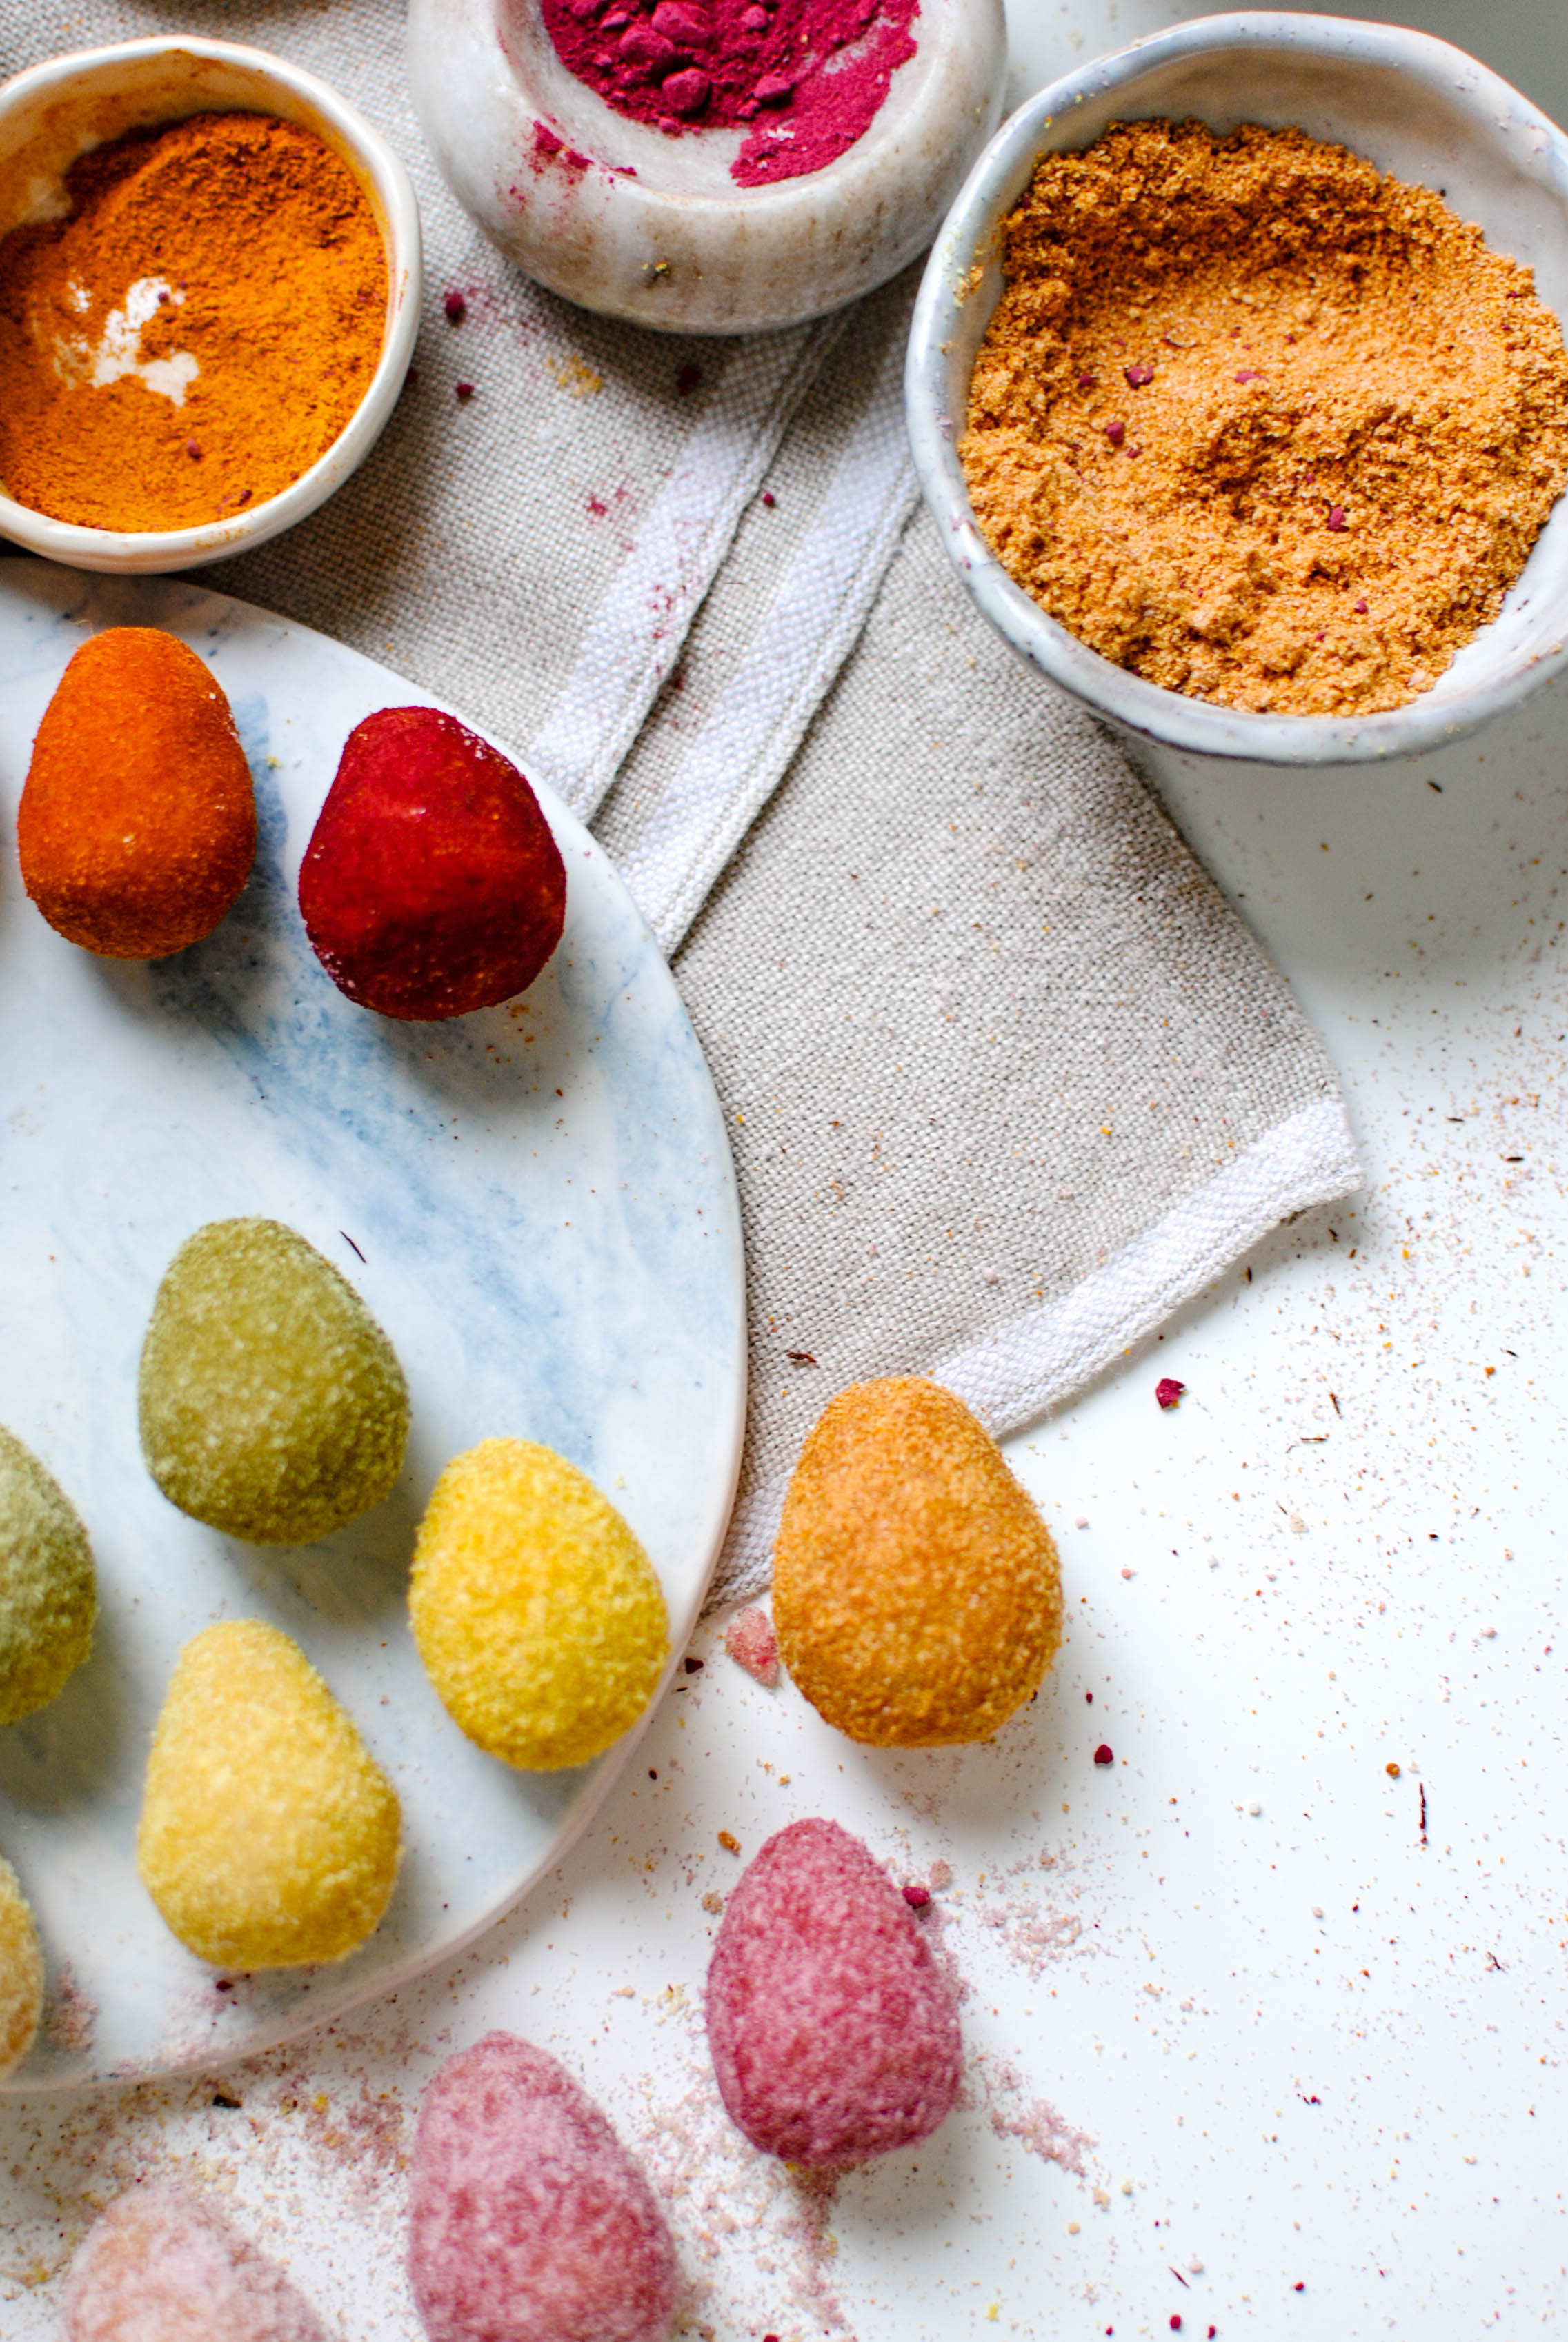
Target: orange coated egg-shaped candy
(137, 826)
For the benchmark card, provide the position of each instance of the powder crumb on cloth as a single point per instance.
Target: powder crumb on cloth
(1260, 423)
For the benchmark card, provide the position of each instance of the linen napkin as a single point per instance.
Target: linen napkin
(1007, 1079)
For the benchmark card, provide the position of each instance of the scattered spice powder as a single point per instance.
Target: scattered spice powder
(195, 333)
(1353, 417)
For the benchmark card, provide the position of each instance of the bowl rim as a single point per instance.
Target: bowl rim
(78, 547)
(1206, 727)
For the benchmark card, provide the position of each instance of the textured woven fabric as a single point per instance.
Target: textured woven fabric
(1007, 1079)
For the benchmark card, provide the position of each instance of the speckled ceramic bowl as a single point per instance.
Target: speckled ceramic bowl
(653, 230)
(1416, 106)
(53, 112)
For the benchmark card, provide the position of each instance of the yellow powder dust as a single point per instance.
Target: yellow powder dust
(536, 1612)
(1259, 423)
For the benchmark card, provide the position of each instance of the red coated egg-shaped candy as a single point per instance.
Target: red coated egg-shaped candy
(529, 2221)
(432, 885)
(833, 2031)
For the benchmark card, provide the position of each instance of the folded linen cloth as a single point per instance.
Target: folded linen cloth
(1007, 1078)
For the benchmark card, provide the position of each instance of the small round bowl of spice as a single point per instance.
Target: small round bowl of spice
(716, 167)
(209, 290)
(1237, 384)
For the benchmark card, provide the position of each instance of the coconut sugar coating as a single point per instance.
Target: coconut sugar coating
(21, 1972)
(1259, 423)
(272, 1405)
(538, 1613)
(917, 1598)
(161, 2265)
(137, 825)
(833, 2029)
(269, 1835)
(528, 2219)
(432, 885)
(48, 1593)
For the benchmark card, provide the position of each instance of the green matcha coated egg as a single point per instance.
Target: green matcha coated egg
(48, 1598)
(272, 1405)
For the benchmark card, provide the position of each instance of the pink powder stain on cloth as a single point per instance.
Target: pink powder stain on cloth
(833, 2032)
(808, 76)
(750, 1642)
(528, 2219)
(161, 2265)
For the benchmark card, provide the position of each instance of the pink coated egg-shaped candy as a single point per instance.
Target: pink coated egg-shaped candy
(529, 2221)
(161, 2265)
(833, 2031)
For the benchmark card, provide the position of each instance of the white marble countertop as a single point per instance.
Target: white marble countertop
(1236, 2026)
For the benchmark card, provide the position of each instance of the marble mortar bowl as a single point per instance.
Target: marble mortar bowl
(56, 111)
(530, 152)
(1416, 106)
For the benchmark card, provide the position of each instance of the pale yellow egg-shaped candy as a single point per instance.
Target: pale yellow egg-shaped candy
(538, 1613)
(21, 1972)
(269, 1835)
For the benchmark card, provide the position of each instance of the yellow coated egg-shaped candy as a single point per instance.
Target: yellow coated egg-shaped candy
(536, 1612)
(21, 1973)
(269, 1835)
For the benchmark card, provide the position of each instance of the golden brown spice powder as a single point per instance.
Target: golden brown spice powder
(195, 332)
(1258, 422)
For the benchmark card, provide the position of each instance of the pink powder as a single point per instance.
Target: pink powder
(834, 2034)
(805, 77)
(161, 2266)
(749, 1640)
(529, 2221)
(1039, 2127)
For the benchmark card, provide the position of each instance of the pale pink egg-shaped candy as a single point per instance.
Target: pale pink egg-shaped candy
(529, 2221)
(833, 2029)
(161, 2265)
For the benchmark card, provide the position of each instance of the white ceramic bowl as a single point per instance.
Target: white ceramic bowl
(681, 245)
(1413, 105)
(55, 111)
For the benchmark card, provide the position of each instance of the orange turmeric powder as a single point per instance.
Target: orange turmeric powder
(137, 825)
(197, 331)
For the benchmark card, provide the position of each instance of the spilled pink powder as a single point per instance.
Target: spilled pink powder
(749, 1640)
(528, 2219)
(804, 77)
(161, 2265)
(833, 2031)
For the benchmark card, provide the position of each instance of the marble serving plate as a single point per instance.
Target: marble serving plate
(536, 1202)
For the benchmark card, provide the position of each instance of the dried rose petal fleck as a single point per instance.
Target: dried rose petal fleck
(1168, 1390)
(1137, 376)
(463, 391)
(1115, 433)
(917, 1898)
(750, 1642)
(1088, 381)
(1336, 516)
(1248, 374)
(455, 307)
(1104, 1753)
